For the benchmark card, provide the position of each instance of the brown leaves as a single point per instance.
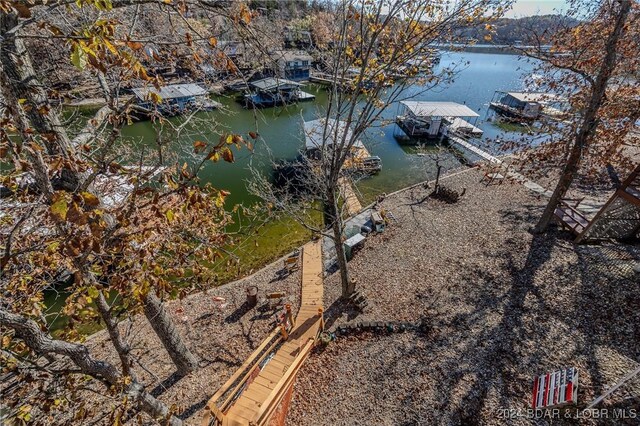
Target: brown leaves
(134, 45)
(245, 14)
(199, 147)
(227, 155)
(23, 10)
(75, 215)
(213, 42)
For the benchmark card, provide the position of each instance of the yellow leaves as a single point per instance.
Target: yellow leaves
(155, 97)
(184, 171)
(214, 156)
(90, 199)
(111, 47)
(78, 56)
(349, 52)
(93, 292)
(24, 413)
(170, 215)
(103, 5)
(213, 42)
(59, 208)
(219, 201)
(487, 37)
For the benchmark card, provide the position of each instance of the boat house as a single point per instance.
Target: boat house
(434, 120)
(319, 143)
(292, 64)
(521, 105)
(272, 91)
(174, 99)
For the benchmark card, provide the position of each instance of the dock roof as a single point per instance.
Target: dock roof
(439, 109)
(313, 131)
(532, 96)
(271, 83)
(172, 91)
(291, 55)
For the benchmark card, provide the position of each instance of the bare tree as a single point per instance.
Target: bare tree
(376, 52)
(594, 66)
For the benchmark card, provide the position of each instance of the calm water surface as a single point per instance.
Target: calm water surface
(479, 75)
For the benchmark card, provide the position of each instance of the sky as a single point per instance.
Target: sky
(536, 7)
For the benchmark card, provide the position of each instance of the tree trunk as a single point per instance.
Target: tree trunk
(438, 171)
(589, 121)
(163, 325)
(336, 226)
(18, 67)
(122, 348)
(43, 344)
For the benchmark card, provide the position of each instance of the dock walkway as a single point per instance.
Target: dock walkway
(485, 155)
(267, 387)
(352, 203)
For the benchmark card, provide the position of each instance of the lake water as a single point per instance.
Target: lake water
(479, 76)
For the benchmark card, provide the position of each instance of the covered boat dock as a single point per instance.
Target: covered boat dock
(434, 120)
(526, 106)
(273, 91)
(319, 143)
(174, 99)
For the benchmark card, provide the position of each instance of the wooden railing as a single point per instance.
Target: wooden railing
(229, 391)
(275, 397)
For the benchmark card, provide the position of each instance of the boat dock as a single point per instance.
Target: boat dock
(351, 201)
(327, 79)
(457, 140)
(260, 391)
(420, 120)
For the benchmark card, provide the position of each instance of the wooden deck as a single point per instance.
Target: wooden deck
(352, 203)
(262, 396)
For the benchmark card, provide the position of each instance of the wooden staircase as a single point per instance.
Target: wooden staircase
(254, 394)
(619, 218)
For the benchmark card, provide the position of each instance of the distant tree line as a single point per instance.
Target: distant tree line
(517, 30)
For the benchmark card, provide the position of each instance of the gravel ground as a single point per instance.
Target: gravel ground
(502, 305)
(221, 338)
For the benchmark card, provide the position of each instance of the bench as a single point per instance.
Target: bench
(570, 217)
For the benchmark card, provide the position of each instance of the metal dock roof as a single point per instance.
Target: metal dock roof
(439, 109)
(313, 131)
(271, 83)
(532, 96)
(173, 91)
